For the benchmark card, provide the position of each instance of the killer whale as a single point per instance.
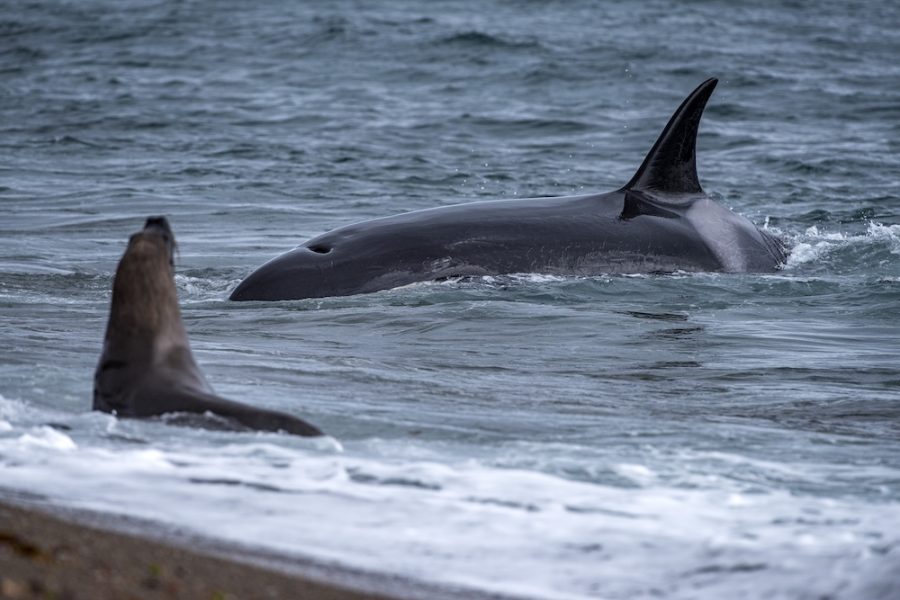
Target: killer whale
(660, 221)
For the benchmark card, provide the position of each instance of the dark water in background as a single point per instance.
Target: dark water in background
(623, 437)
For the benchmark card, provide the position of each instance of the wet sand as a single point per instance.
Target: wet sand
(48, 552)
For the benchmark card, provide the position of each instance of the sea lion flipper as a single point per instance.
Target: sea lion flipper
(172, 399)
(264, 419)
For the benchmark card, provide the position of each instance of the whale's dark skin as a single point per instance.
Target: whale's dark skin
(146, 368)
(660, 221)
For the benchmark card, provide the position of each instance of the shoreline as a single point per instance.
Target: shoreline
(48, 551)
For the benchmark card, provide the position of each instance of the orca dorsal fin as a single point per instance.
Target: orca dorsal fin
(671, 164)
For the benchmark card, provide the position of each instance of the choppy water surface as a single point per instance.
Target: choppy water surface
(700, 436)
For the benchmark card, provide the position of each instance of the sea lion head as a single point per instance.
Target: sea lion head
(156, 232)
(145, 301)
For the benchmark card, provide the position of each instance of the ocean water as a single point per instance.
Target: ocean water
(685, 436)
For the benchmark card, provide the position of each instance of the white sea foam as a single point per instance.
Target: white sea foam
(10, 410)
(49, 438)
(636, 473)
(509, 279)
(202, 289)
(814, 244)
(886, 233)
(536, 278)
(463, 523)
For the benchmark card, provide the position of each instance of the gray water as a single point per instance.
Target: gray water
(685, 436)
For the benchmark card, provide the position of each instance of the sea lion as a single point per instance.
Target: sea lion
(146, 368)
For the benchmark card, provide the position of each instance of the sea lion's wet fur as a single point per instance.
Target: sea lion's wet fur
(146, 368)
